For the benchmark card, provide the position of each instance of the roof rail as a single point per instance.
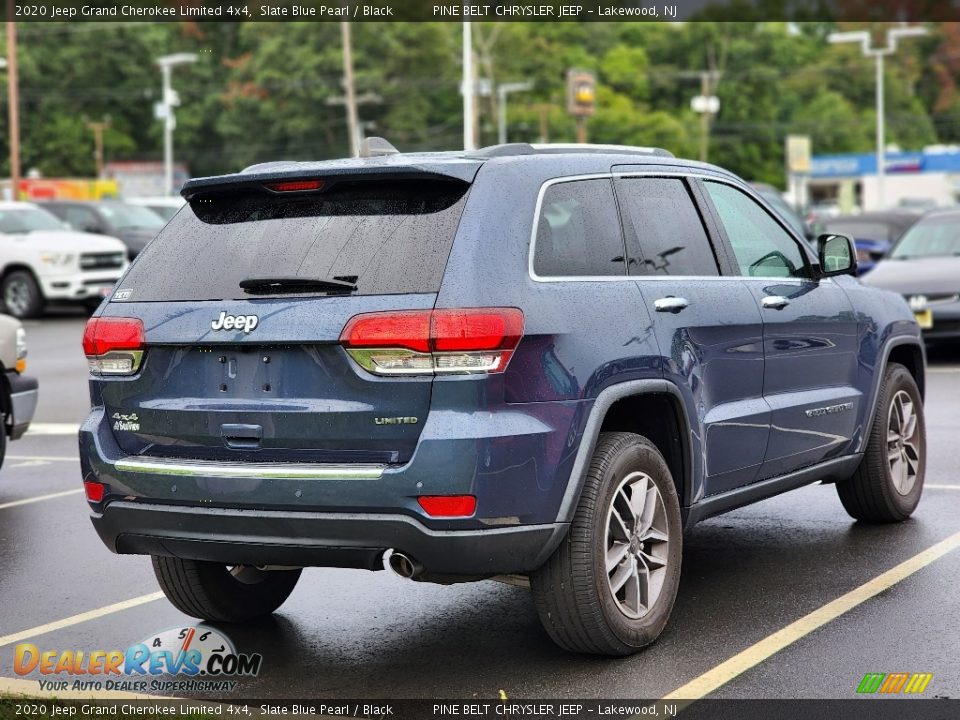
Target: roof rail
(511, 149)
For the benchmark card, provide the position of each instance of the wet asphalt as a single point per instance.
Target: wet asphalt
(357, 634)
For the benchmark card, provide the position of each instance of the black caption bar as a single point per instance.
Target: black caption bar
(492, 10)
(853, 709)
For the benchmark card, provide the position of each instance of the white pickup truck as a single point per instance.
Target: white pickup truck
(42, 260)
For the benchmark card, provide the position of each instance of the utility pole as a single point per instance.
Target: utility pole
(13, 100)
(543, 109)
(468, 85)
(863, 37)
(708, 105)
(350, 93)
(98, 127)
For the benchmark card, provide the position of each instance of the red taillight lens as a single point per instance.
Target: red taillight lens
(408, 329)
(94, 491)
(113, 346)
(471, 340)
(296, 186)
(448, 505)
(476, 329)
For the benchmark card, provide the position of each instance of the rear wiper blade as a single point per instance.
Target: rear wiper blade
(271, 285)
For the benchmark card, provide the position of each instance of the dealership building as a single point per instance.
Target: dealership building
(850, 180)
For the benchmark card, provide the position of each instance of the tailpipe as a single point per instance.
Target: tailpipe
(404, 565)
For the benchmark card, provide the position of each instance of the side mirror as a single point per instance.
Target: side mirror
(92, 228)
(838, 255)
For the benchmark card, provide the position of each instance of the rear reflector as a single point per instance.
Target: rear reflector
(94, 491)
(448, 505)
(296, 186)
(113, 345)
(411, 342)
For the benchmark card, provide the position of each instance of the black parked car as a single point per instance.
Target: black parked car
(133, 224)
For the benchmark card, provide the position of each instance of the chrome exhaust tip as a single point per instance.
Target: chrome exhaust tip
(404, 565)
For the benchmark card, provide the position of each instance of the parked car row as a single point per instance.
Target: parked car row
(72, 251)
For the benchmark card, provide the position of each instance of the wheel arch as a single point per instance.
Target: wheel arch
(620, 407)
(906, 350)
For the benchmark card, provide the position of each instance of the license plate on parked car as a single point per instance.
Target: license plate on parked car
(925, 319)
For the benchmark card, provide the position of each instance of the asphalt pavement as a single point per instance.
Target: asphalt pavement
(357, 634)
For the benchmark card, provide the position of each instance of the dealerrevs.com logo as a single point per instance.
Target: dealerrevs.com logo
(180, 659)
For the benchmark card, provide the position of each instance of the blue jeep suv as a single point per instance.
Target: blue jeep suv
(540, 361)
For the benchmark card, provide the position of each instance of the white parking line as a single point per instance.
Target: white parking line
(77, 619)
(53, 429)
(772, 644)
(941, 487)
(44, 458)
(40, 498)
(943, 369)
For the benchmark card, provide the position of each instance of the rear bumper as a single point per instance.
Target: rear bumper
(279, 537)
(516, 463)
(24, 393)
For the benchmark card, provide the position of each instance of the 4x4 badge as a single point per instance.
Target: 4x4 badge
(235, 322)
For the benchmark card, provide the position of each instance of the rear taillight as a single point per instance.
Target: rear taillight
(425, 342)
(113, 346)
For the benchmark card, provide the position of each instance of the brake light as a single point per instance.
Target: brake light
(113, 345)
(448, 505)
(424, 342)
(296, 186)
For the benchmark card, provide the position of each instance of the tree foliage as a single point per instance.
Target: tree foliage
(265, 91)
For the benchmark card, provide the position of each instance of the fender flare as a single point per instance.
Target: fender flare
(880, 369)
(591, 432)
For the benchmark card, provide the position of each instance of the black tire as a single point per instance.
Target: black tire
(210, 591)
(573, 593)
(873, 494)
(3, 442)
(21, 295)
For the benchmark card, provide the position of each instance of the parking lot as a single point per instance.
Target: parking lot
(355, 634)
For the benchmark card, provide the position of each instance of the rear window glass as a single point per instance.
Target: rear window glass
(386, 237)
(578, 232)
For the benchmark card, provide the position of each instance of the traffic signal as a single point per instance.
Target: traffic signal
(581, 93)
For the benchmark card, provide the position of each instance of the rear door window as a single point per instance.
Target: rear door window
(385, 236)
(664, 232)
(578, 231)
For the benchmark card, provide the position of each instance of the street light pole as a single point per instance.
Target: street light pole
(502, 91)
(168, 102)
(863, 37)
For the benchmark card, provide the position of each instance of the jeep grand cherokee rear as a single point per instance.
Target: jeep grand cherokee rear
(523, 361)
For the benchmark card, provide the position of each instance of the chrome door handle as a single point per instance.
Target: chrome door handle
(670, 304)
(775, 302)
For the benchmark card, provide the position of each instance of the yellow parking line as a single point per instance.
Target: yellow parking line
(755, 654)
(40, 498)
(77, 619)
